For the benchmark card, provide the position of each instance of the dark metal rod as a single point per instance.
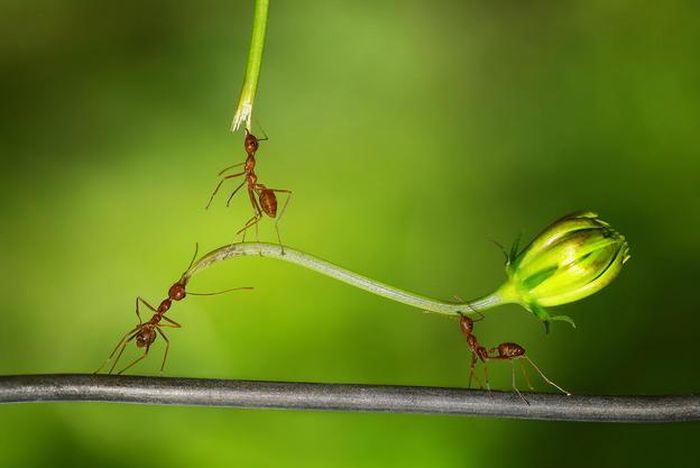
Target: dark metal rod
(345, 397)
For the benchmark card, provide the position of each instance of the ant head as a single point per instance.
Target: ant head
(251, 143)
(145, 337)
(177, 291)
(466, 324)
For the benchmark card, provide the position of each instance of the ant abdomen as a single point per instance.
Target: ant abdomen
(268, 203)
(510, 350)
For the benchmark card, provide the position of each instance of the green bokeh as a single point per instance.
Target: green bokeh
(412, 133)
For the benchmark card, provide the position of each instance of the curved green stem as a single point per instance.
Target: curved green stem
(341, 274)
(244, 111)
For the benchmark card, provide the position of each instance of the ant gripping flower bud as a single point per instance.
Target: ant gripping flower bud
(571, 259)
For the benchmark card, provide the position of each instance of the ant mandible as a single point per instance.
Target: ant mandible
(262, 198)
(145, 333)
(504, 351)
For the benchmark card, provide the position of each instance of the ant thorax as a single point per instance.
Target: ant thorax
(164, 306)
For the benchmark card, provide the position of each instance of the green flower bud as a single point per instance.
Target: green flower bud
(573, 258)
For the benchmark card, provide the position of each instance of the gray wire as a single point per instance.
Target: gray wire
(345, 397)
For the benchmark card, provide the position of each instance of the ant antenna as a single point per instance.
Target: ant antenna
(262, 130)
(194, 257)
(221, 292)
(481, 315)
(474, 311)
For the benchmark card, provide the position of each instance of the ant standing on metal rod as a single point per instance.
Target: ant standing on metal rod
(145, 333)
(262, 198)
(504, 351)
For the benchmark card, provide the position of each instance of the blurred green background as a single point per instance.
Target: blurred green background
(412, 133)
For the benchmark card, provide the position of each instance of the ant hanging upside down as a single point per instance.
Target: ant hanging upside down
(504, 352)
(262, 198)
(145, 333)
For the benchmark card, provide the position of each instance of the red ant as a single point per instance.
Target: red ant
(266, 201)
(504, 351)
(145, 333)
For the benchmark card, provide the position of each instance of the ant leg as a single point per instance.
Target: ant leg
(216, 190)
(527, 377)
(228, 202)
(248, 223)
(257, 232)
(140, 358)
(173, 323)
(123, 347)
(251, 222)
(114, 364)
(221, 172)
(257, 210)
(512, 371)
(486, 377)
(167, 348)
(138, 313)
(473, 374)
(545, 377)
(279, 218)
(116, 348)
(256, 217)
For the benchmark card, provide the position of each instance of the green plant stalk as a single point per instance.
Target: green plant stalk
(324, 267)
(244, 111)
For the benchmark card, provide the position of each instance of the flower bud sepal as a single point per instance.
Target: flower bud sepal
(508, 293)
(543, 314)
